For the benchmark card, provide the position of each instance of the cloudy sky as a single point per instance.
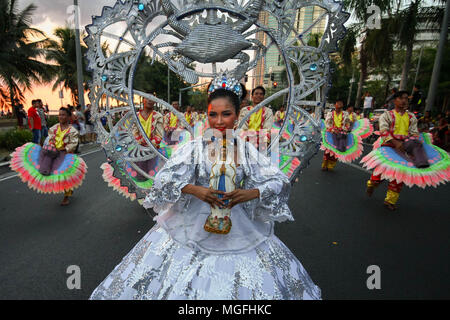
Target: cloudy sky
(53, 13)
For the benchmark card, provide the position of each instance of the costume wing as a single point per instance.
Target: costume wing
(394, 166)
(67, 173)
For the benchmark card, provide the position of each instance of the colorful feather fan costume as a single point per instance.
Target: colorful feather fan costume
(68, 170)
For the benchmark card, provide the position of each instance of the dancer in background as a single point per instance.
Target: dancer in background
(404, 156)
(342, 135)
(53, 168)
(280, 115)
(171, 123)
(337, 124)
(152, 122)
(260, 122)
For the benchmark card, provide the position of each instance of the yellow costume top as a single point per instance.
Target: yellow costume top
(146, 124)
(255, 121)
(59, 137)
(338, 120)
(401, 123)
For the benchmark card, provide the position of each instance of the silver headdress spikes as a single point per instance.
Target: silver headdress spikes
(227, 83)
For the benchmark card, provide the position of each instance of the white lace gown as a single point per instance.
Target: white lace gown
(178, 259)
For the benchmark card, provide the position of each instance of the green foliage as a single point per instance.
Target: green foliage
(63, 53)
(21, 65)
(14, 138)
(152, 78)
(340, 83)
(278, 102)
(52, 120)
(199, 99)
(426, 69)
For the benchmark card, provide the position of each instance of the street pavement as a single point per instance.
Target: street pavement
(337, 234)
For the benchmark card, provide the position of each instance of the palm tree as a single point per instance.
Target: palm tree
(20, 67)
(369, 37)
(407, 23)
(63, 52)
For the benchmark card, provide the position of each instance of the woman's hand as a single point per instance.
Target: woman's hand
(240, 195)
(205, 194)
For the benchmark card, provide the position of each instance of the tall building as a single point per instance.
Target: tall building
(272, 63)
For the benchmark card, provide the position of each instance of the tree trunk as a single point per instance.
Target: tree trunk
(388, 84)
(359, 92)
(11, 99)
(406, 67)
(362, 75)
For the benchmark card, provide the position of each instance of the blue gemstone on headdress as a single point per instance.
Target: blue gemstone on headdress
(237, 88)
(303, 138)
(119, 148)
(313, 67)
(141, 7)
(104, 77)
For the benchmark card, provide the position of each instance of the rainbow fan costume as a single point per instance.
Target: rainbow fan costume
(418, 162)
(153, 128)
(338, 141)
(51, 168)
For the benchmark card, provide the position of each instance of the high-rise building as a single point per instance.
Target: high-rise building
(273, 62)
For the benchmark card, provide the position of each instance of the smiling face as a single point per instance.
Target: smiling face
(222, 114)
(258, 97)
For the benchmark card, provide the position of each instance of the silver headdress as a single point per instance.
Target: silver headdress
(215, 34)
(227, 83)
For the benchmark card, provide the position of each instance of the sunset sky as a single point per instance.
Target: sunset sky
(49, 15)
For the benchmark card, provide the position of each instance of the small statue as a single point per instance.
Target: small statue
(222, 178)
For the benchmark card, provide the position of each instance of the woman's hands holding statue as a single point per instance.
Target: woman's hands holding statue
(208, 195)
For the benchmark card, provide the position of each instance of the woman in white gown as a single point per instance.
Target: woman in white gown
(179, 259)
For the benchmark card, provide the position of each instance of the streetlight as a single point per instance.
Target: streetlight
(78, 54)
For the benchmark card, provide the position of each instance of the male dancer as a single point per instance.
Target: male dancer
(398, 130)
(338, 123)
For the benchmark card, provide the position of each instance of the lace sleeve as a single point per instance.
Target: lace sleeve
(178, 172)
(273, 185)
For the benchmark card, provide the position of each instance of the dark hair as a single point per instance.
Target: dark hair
(66, 111)
(339, 99)
(259, 88)
(232, 97)
(400, 93)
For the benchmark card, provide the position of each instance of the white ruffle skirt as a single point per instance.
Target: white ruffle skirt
(160, 268)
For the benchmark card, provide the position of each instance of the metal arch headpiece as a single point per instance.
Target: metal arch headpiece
(227, 83)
